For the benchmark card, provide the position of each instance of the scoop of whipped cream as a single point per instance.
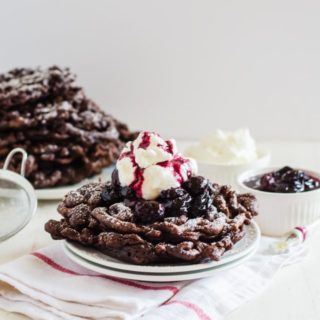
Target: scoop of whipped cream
(151, 164)
(227, 148)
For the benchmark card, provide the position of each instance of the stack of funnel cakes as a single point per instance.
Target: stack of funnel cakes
(67, 136)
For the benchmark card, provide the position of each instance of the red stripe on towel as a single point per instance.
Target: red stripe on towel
(60, 268)
(199, 312)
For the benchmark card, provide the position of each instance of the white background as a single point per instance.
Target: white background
(180, 67)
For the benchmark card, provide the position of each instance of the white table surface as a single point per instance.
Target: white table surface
(293, 294)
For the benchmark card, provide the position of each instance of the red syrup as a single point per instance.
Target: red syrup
(145, 142)
(136, 185)
(138, 181)
(175, 165)
(168, 147)
(128, 154)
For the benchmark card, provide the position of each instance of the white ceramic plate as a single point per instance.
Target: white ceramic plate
(190, 275)
(241, 249)
(59, 192)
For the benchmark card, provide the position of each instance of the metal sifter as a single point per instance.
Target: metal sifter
(18, 201)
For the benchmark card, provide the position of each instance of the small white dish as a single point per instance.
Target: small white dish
(155, 277)
(59, 192)
(279, 213)
(240, 249)
(227, 174)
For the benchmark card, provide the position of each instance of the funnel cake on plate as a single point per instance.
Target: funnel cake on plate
(67, 136)
(175, 217)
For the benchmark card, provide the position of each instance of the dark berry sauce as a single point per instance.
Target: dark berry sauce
(284, 180)
(194, 199)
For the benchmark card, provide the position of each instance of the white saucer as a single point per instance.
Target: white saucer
(169, 277)
(59, 192)
(241, 248)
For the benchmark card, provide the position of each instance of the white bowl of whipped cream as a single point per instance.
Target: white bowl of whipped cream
(223, 155)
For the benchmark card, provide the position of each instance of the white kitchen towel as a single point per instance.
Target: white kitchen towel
(48, 285)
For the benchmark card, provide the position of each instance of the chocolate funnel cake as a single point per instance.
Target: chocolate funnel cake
(67, 136)
(156, 209)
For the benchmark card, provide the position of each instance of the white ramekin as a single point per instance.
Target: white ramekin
(279, 213)
(227, 174)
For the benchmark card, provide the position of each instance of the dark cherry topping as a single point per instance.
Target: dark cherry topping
(194, 199)
(176, 201)
(115, 179)
(202, 204)
(284, 180)
(127, 193)
(149, 211)
(196, 185)
(110, 195)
